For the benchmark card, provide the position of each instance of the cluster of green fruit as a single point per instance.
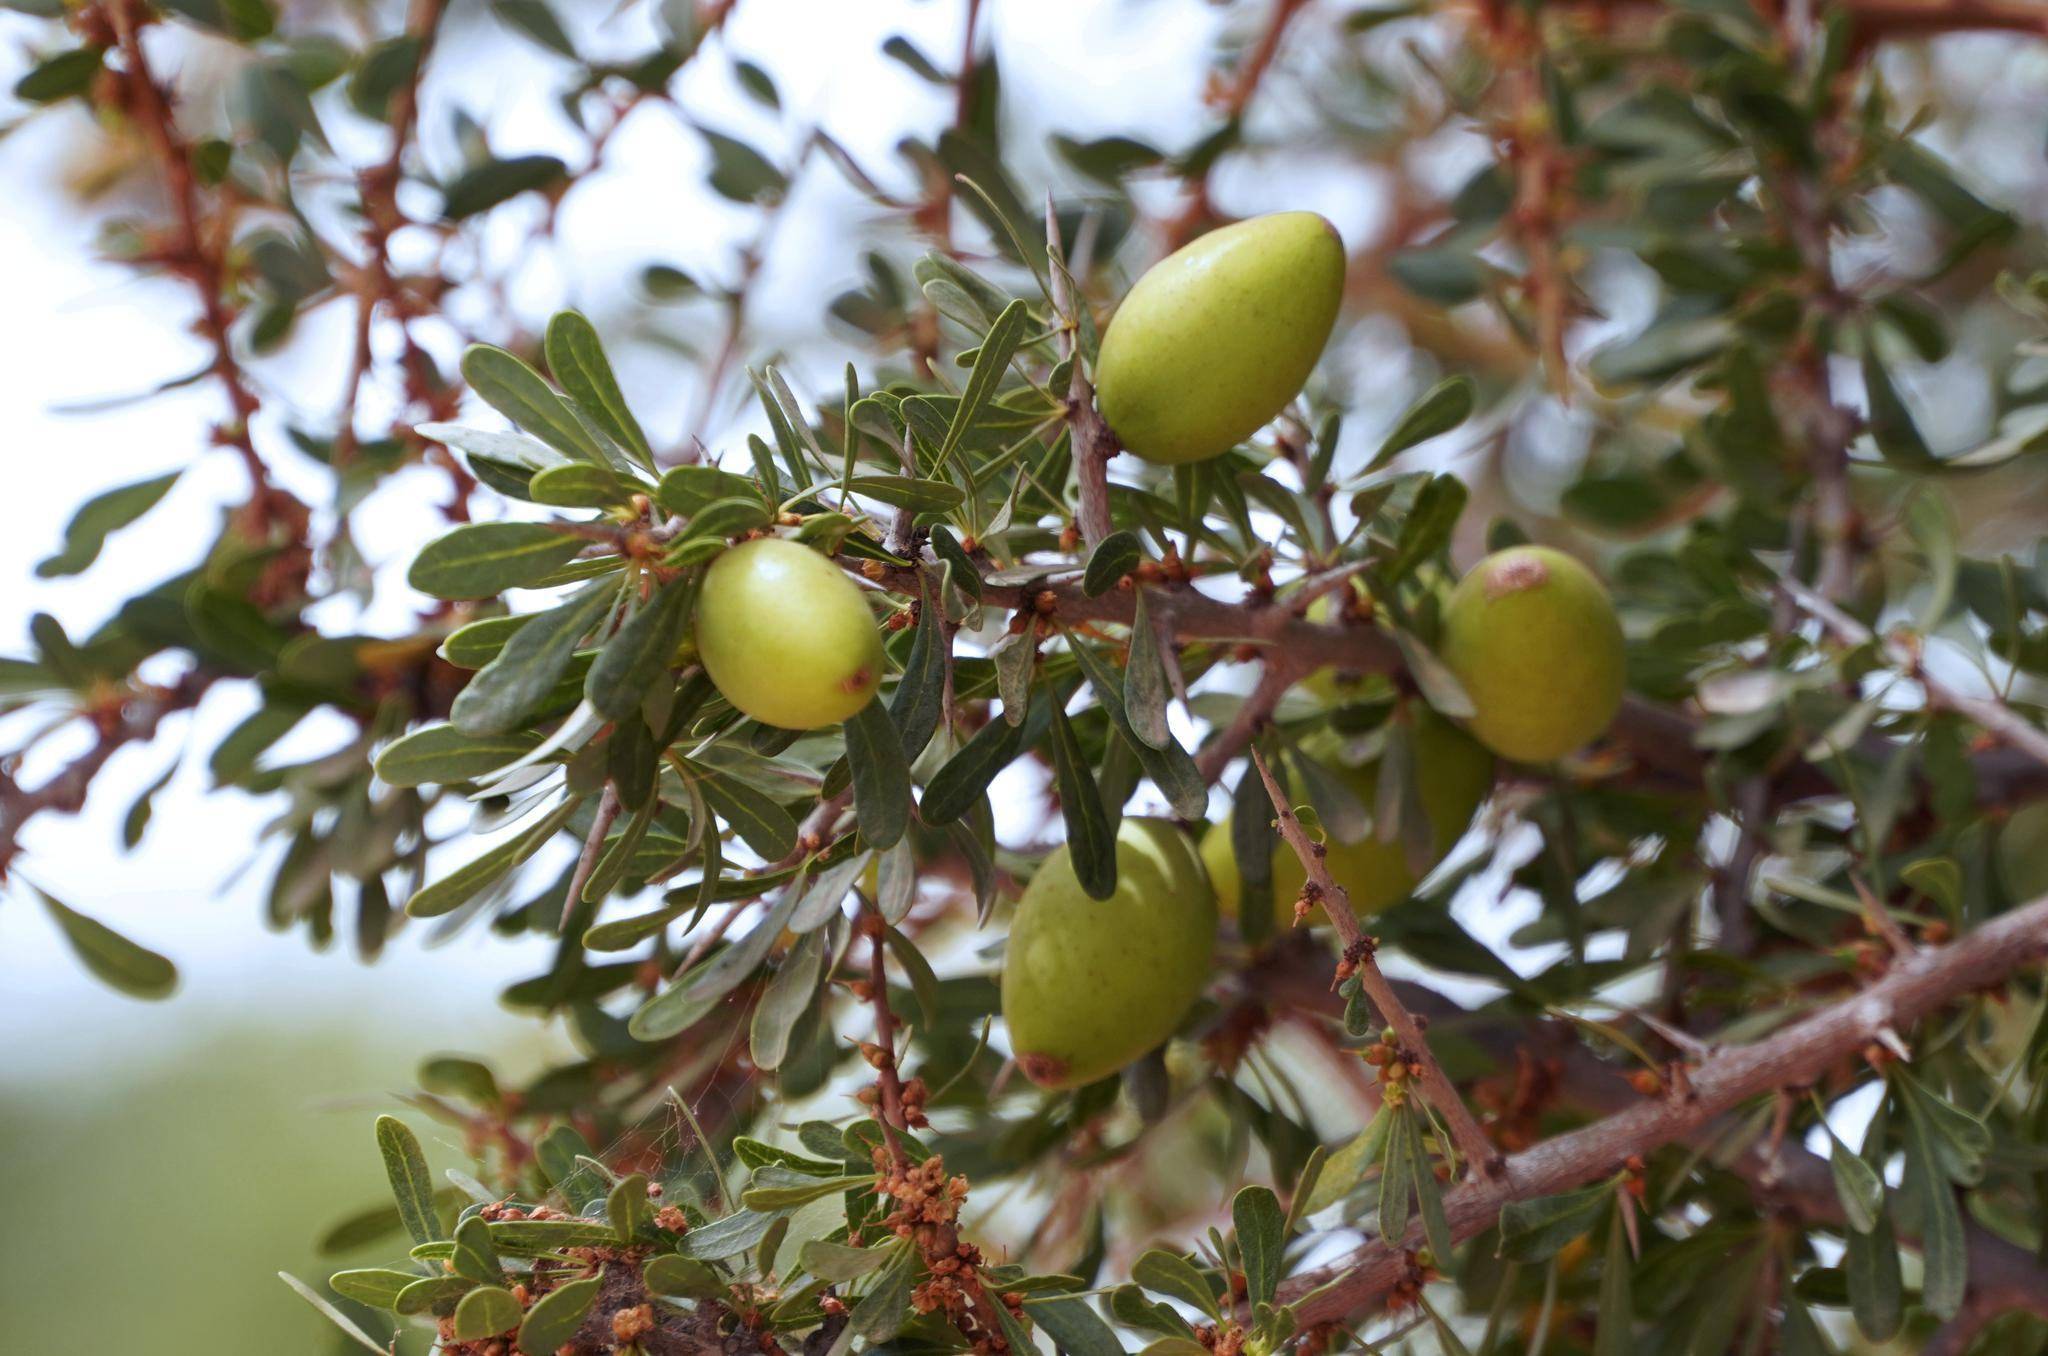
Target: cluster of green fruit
(1208, 347)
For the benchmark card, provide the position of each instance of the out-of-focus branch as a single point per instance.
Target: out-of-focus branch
(196, 252)
(1915, 988)
(1989, 713)
(1231, 97)
(1478, 1151)
(133, 721)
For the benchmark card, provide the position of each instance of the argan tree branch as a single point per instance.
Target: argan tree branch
(1472, 1143)
(1914, 988)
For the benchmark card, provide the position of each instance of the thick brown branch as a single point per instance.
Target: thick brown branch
(1915, 988)
(1471, 1140)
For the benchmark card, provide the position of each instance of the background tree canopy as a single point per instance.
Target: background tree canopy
(1025, 870)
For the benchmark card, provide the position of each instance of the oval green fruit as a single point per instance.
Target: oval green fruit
(786, 636)
(2023, 853)
(1454, 774)
(1089, 985)
(1532, 636)
(1218, 336)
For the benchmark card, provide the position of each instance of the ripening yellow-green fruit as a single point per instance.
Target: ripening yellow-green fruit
(786, 636)
(1453, 773)
(1532, 636)
(1218, 336)
(1091, 984)
(2023, 853)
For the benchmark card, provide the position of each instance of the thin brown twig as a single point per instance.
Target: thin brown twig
(1466, 1133)
(1093, 442)
(1904, 651)
(593, 848)
(196, 253)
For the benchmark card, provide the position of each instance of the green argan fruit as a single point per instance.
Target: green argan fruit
(1532, 636)
(2023, 853)
(1454, 774)
(786, 635)
(1089, 985)
(1218, 336)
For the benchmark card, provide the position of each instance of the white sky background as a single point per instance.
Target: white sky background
(83, 330)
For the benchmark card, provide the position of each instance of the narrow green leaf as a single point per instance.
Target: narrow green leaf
(516, 391)
(911, 492)
(1536, 1230)
(114, 960)
(787, 998)
(1615, 1335)
(555, 1316)
(485, 1312)
(626, 1206)
(1892, 426)
(576, 357)
(762, 825)
(442, 755)
(377, 1287)
(1170, 1274)
(1115, 556)
(1073, 1325)
(1091, 843)
(1858, 1185)
(668, 1274)
(330, 1313)
(99, 516)
(639, 652)
(965, 778)
(920, 697)
(482, 560)
(465, 882)
(881, 776)
(503, 692)
(1446, 405)
(990, 363)
(1147, 693)
(1261, 1239)
(411, 1187)
(882, 1312)
(1397, 1178)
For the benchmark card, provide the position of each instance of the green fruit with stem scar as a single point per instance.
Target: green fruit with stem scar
(1531, 635)
(1091, 984)
(1453, 774)
(786, 636)
(1218, 336)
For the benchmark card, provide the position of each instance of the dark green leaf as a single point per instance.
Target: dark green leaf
(555, 1316)
(442, 755)
(482, 187)
(482, 560)
(576, 357)
(516, 391)
(96, 518)
(1447, 405)
(990, 363)
(1091, 842)
(485, 1312)
(920, 696)
(881, 776)
(406, 1167)
(1535, 1230)
(639, 652)
(505, 691)
(113, 959)
(465, 882)
(1261, 1239)
(1115, 556)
